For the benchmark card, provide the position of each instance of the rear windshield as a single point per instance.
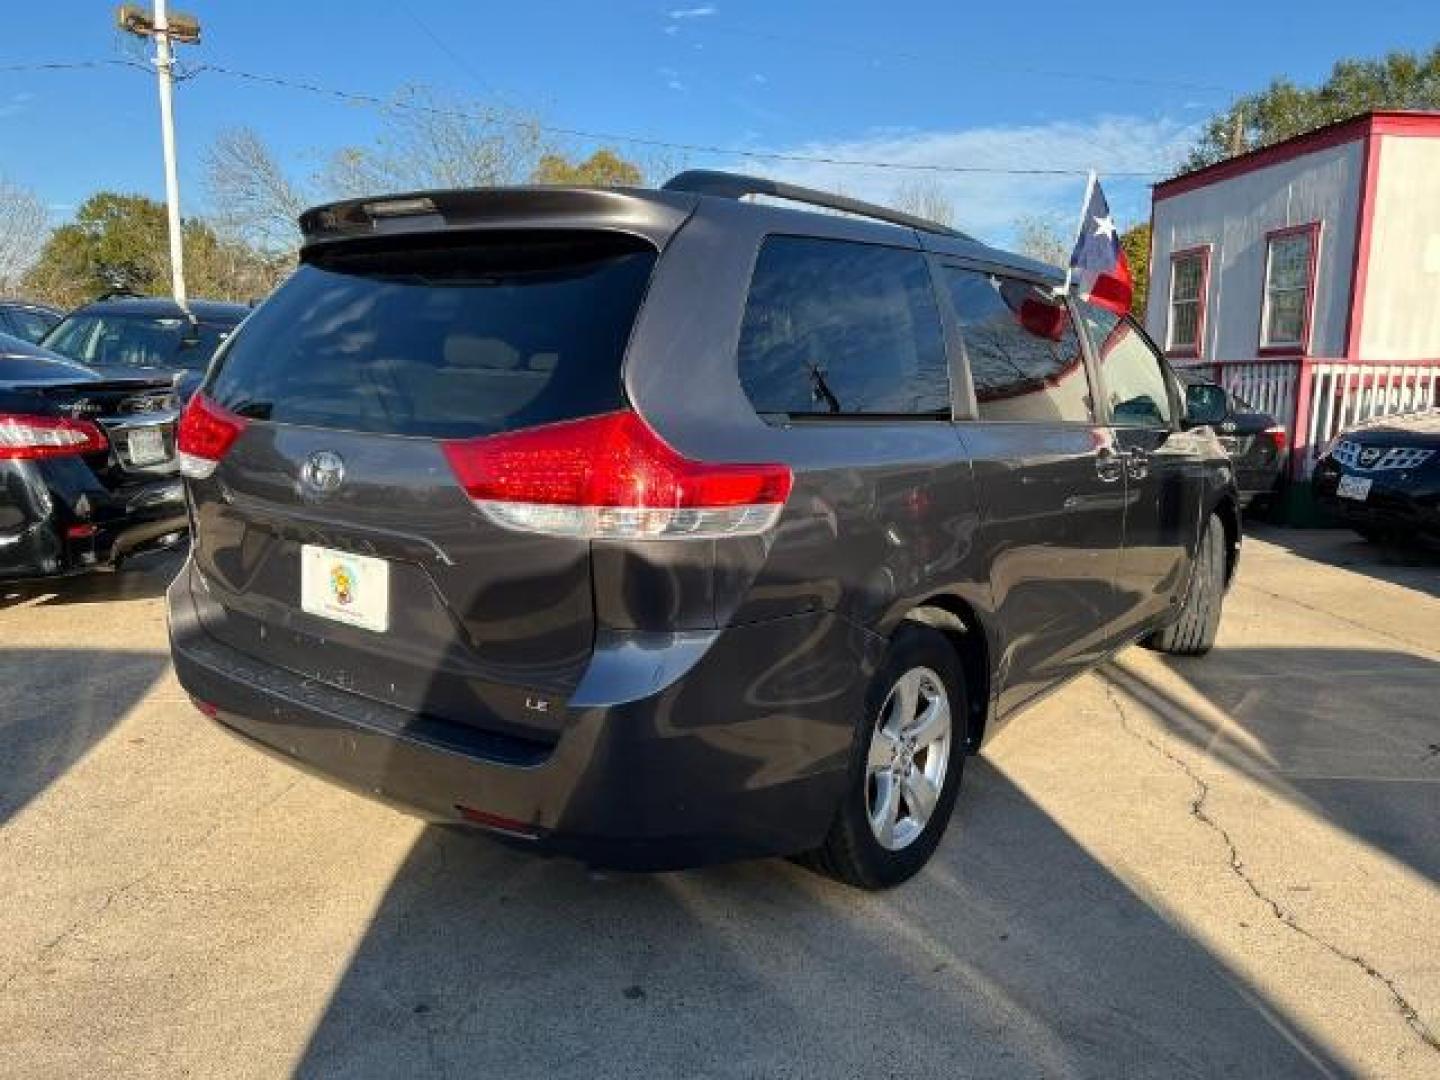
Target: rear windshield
(455, 338)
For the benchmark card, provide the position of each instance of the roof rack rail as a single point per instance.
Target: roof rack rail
(727, 185)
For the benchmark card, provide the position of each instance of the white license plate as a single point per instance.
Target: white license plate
(353, 589)
(1354, 487)
(147, 446)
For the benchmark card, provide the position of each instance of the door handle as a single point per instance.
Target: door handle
(1109, 465)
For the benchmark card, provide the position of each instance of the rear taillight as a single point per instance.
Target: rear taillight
(611, 477)
(30, 437)
(1277, 436)
(205, 432)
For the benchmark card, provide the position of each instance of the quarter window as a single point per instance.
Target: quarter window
(1188, 271)
(1289, 279)
(1024, 355)
(834, 328)
(1130, 370)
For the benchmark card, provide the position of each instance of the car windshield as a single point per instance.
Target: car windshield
(137, 340)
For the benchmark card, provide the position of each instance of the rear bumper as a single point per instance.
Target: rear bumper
(1411, 509)
(38, 511)
(677, 749)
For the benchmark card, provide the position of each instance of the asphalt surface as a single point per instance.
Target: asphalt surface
(1226, 866)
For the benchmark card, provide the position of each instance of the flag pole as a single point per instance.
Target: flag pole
(1080, 231)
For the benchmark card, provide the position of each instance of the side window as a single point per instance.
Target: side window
(839, 328)
(1132, 374)
(1025, 358)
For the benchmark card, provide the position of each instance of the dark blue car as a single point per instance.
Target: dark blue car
(124, 336)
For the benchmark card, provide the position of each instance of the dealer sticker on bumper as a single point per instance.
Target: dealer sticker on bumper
(353, 589)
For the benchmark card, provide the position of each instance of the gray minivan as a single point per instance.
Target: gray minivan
(659, 527)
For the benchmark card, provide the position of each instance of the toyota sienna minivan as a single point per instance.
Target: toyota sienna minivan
(661, 527)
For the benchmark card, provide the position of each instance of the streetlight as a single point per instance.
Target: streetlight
(166, 30)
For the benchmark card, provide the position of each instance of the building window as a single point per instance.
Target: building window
(1290, 258)
(1189, 278)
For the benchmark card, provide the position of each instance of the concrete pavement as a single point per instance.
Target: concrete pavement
(1225, 866)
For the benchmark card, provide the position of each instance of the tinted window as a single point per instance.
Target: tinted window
(137, 341)
(29, 324)
(1025, 358)
(833, 327)
(1130, 370)
(443, 340)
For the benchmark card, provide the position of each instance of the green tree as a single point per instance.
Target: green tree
(603, 168)
(119, 241)
(1401, 80)
(1136, 242)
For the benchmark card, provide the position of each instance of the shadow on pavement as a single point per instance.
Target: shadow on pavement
(1350, 734)
(1413, 566)
(1014, 953)
(53, 709)
(146, 578)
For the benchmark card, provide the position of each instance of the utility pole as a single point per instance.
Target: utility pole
(185, 30)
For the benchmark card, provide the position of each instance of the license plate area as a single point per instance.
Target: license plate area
(344, 587)
(1354, 487)
(146, 446)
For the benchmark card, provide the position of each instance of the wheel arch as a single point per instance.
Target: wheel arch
(963, 629)
(1227, 509)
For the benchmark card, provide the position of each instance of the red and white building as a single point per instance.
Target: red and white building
(1306, 274)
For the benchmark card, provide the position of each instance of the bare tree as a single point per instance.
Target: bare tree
(1041, 238)
(433, 141)
(253, 200)
(426, 140)
(24, 223)
(926, 199)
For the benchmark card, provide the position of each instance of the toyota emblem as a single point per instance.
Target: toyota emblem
(323, 472)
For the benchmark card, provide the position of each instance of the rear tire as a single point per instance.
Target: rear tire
(1193, 632)
(878, 838)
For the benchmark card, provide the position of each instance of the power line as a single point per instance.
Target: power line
(376, 101)
(73, 65)
(641, 140)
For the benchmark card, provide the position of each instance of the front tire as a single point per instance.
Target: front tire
(1193, 631)
(905, 768)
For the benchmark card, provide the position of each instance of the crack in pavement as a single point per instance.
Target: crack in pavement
(118, 891)
(1237, 866)
(1329, 614)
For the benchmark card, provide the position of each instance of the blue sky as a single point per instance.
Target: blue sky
(1001, 85)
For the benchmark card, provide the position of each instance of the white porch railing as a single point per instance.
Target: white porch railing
(1316, 399)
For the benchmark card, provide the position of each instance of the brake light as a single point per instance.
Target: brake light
(611, 477)
(205, 433)
(30, 437)
(1277, 435)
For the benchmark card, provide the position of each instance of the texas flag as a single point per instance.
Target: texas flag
(1098, 259)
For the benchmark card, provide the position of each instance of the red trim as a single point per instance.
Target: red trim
(1360, 272)
(1189, 352)
(1300, 348)
(1325, 138)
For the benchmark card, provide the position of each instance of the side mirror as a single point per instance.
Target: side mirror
(1205, 403)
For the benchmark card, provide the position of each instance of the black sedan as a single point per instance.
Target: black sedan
(129, 335)
(1255, 441)
(88, 473)
(1383, 478)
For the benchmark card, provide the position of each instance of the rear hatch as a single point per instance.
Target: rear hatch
(333, 537)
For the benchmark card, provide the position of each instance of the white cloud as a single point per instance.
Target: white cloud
(988, 204)
(15, 103)
(703, 12)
